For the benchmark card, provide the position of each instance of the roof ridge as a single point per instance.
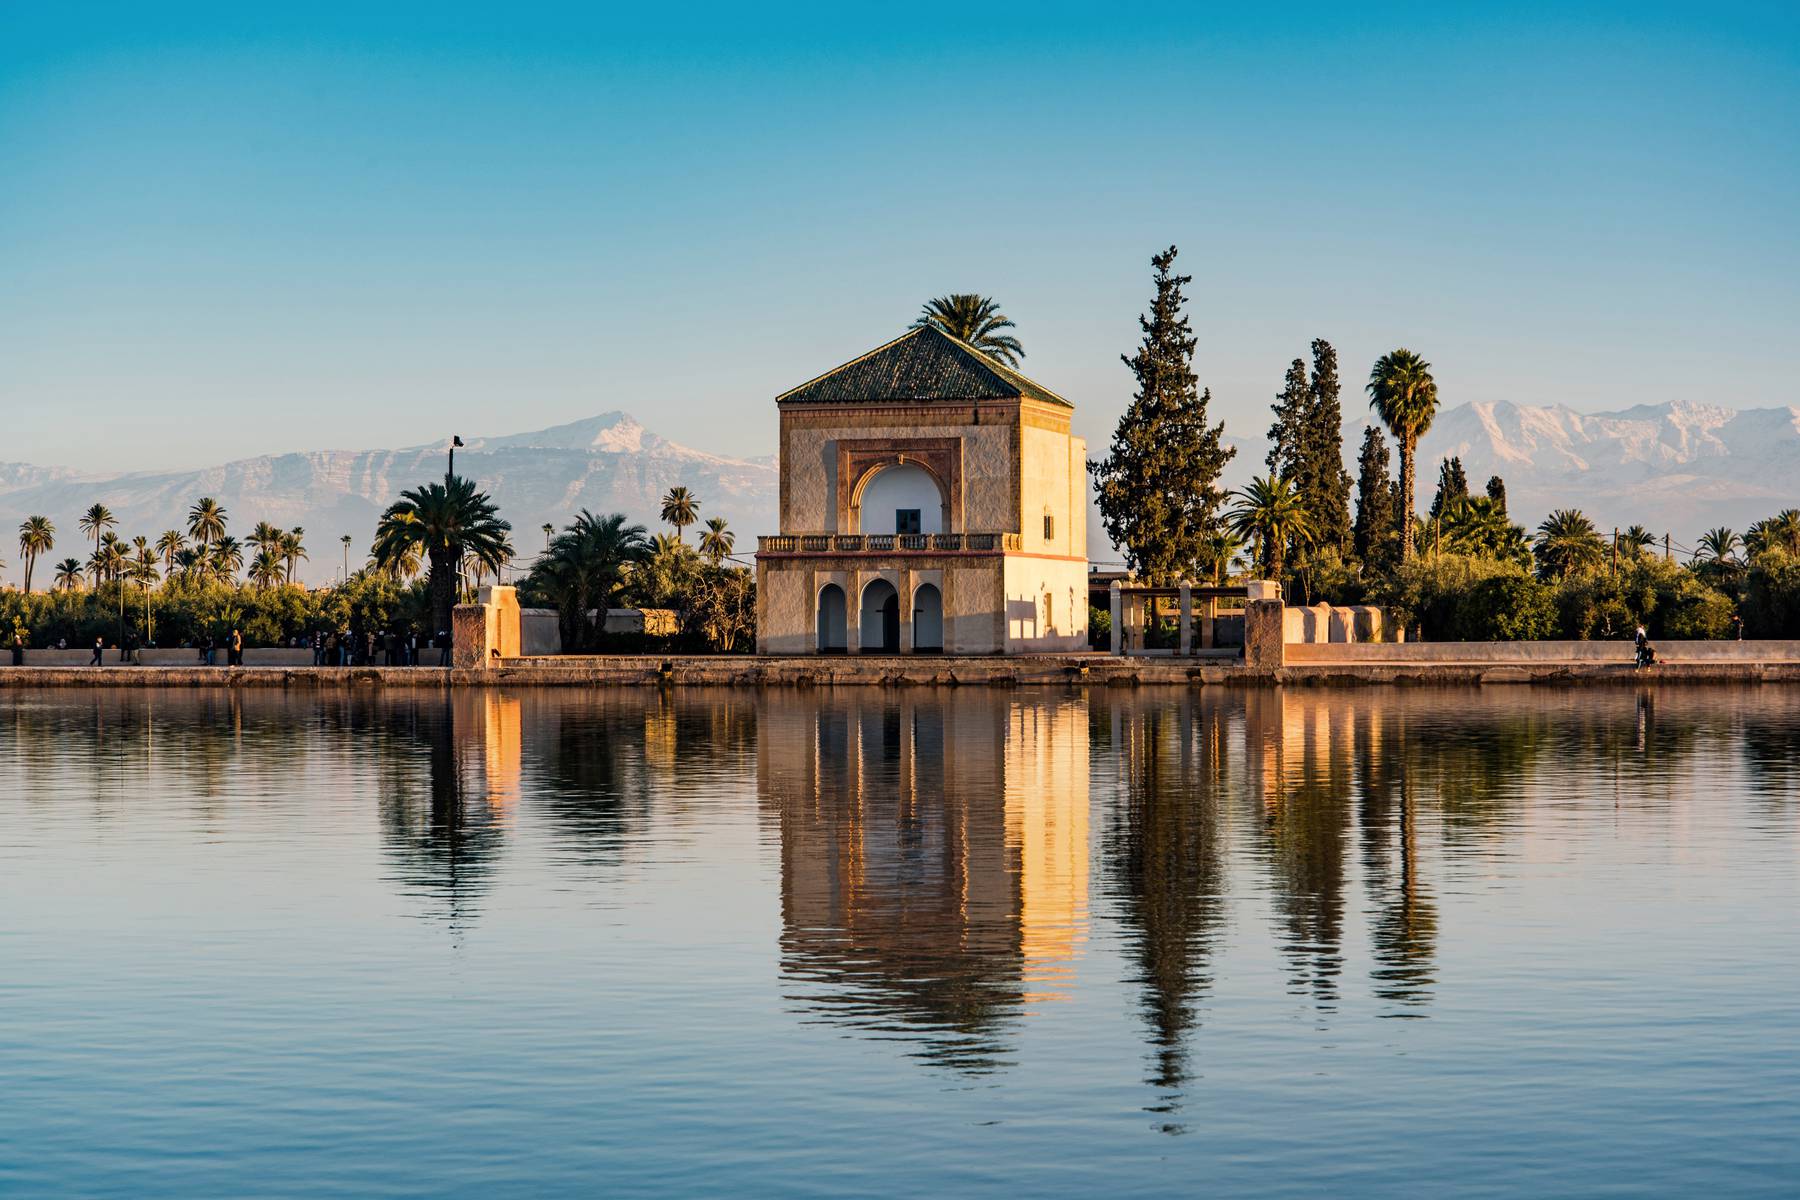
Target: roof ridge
(1023, 383)
(852, 362)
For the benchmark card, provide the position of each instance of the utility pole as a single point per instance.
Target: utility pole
(1668, 554)
(1615, 554)
(346, 540)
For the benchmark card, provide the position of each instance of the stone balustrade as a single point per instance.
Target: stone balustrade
(888, 543)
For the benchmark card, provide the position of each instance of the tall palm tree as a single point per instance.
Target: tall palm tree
(1567, 542)
(1404, 395)
(189, 562)
(266, 567)
(680, 509)
(68, 575)
(582, 568)
(168, 545)
(264, 537)
(142, 556)
(447, 521)
(225, 558)
(37, 536)
(109, 559)
(95, 522)
(1271, 512)
(717, 541)
(293, 549)
(206, 521)
(1782, 531)
(976, 320)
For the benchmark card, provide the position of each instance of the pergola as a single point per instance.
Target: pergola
(1131, 602)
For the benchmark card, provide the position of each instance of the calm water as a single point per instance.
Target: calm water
(943, 942)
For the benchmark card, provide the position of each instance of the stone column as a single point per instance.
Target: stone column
(853, 612)
(909, 582)
(1209, 637)
(1116, 600)
(1265, 634)
(1186, 593)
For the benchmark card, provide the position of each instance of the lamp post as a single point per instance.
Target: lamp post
(450, 472)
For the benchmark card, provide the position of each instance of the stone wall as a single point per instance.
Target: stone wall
(1614, 652)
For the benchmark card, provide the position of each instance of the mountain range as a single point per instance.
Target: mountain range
(1679, 467)
(609, 463)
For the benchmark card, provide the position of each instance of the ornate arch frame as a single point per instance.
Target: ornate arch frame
(860, 459)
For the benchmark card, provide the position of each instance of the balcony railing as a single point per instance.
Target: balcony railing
(886, 543)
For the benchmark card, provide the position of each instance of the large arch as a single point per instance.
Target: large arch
(928, 619)
(903, 484)
(832, 623)
(880, 618)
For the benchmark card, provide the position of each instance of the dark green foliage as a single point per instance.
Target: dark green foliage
(447, 522)
(1375, 536)
(1453, 485)
(579, 573)
(1496, 491)
(1306, 447)
(1290, 414)
(1772, 595)
(1158, 487)
(1507, 607)
(720, 613)
(1404, 395)
(975, 320)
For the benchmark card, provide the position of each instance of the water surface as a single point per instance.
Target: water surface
(1044, 943)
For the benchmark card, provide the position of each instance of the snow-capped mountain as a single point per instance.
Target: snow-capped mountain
(609, 463)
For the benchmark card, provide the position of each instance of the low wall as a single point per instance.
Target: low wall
(172, 656)
(1534, 653)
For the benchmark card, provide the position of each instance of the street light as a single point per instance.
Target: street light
(455, 441)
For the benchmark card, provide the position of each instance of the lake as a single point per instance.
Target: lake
(975, 942)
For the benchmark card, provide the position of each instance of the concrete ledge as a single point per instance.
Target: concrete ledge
(1536, 653)
(1084, 670)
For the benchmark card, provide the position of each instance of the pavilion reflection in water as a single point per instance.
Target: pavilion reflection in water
(934, 858)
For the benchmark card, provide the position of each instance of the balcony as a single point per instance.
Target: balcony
(887, 543)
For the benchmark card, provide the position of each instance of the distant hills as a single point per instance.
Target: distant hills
(607, 463)
(1678, 467)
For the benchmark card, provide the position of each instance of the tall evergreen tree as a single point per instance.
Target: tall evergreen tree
(1374, 500)
(1158, 486)
(1496, 490)
(1290, 420)
(1324, 484)
(1453, 485)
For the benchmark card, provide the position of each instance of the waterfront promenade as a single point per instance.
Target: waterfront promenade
(1455, 663)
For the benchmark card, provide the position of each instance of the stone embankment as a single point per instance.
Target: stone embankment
(1608, 663)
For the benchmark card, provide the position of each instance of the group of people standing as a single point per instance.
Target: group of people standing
(367, 648)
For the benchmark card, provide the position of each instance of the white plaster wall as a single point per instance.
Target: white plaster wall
(1054, 482)
(1030, 626)
(897, 487)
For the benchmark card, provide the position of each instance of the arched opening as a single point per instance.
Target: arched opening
(901, 498)
(881, 618)
(832, 620)
(928, 619)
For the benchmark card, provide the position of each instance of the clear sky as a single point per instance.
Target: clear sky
(225, 232)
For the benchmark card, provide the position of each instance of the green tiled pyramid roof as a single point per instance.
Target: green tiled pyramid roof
(921, 365)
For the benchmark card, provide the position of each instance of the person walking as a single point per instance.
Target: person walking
(318, 648)
(234, 649)
(99, 648)
(443, 641)
(18, 649)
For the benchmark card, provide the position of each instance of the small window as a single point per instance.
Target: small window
(906, 520)
(1049, 527)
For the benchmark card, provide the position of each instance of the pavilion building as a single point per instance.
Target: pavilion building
(932, 501)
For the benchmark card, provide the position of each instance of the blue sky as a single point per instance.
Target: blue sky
(225, 232)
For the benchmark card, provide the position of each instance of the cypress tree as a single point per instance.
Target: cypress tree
(1496, 490)
(1158, 486)
(1324, 484)
(1453, 484)
(1375, 503)
(1285, 434)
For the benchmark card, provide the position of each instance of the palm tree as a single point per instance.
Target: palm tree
(1567, 542)
(225, 557)
(206, 521)
(168, 546)
(96, 521)
(976, 320)
(680, 509)
(142, 565)
(1478, 526)
(447, 521)
(1781, 531)
(1271, 512)
(717, 541)
(36, 536)
(1216, 553)
(264, 537)
(1636, 540)
(292, 549)
(189, 561)
(1404, 395)
(581, 570)
(1717, 546)
(266, 567)
(109, 559)
(68, 575)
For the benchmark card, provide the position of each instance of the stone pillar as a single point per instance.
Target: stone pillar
(483, 633)
(1209, 636)
(1186, 644)
(909, 582)
(853, 612)
(1265, 638)
(1115, 599)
